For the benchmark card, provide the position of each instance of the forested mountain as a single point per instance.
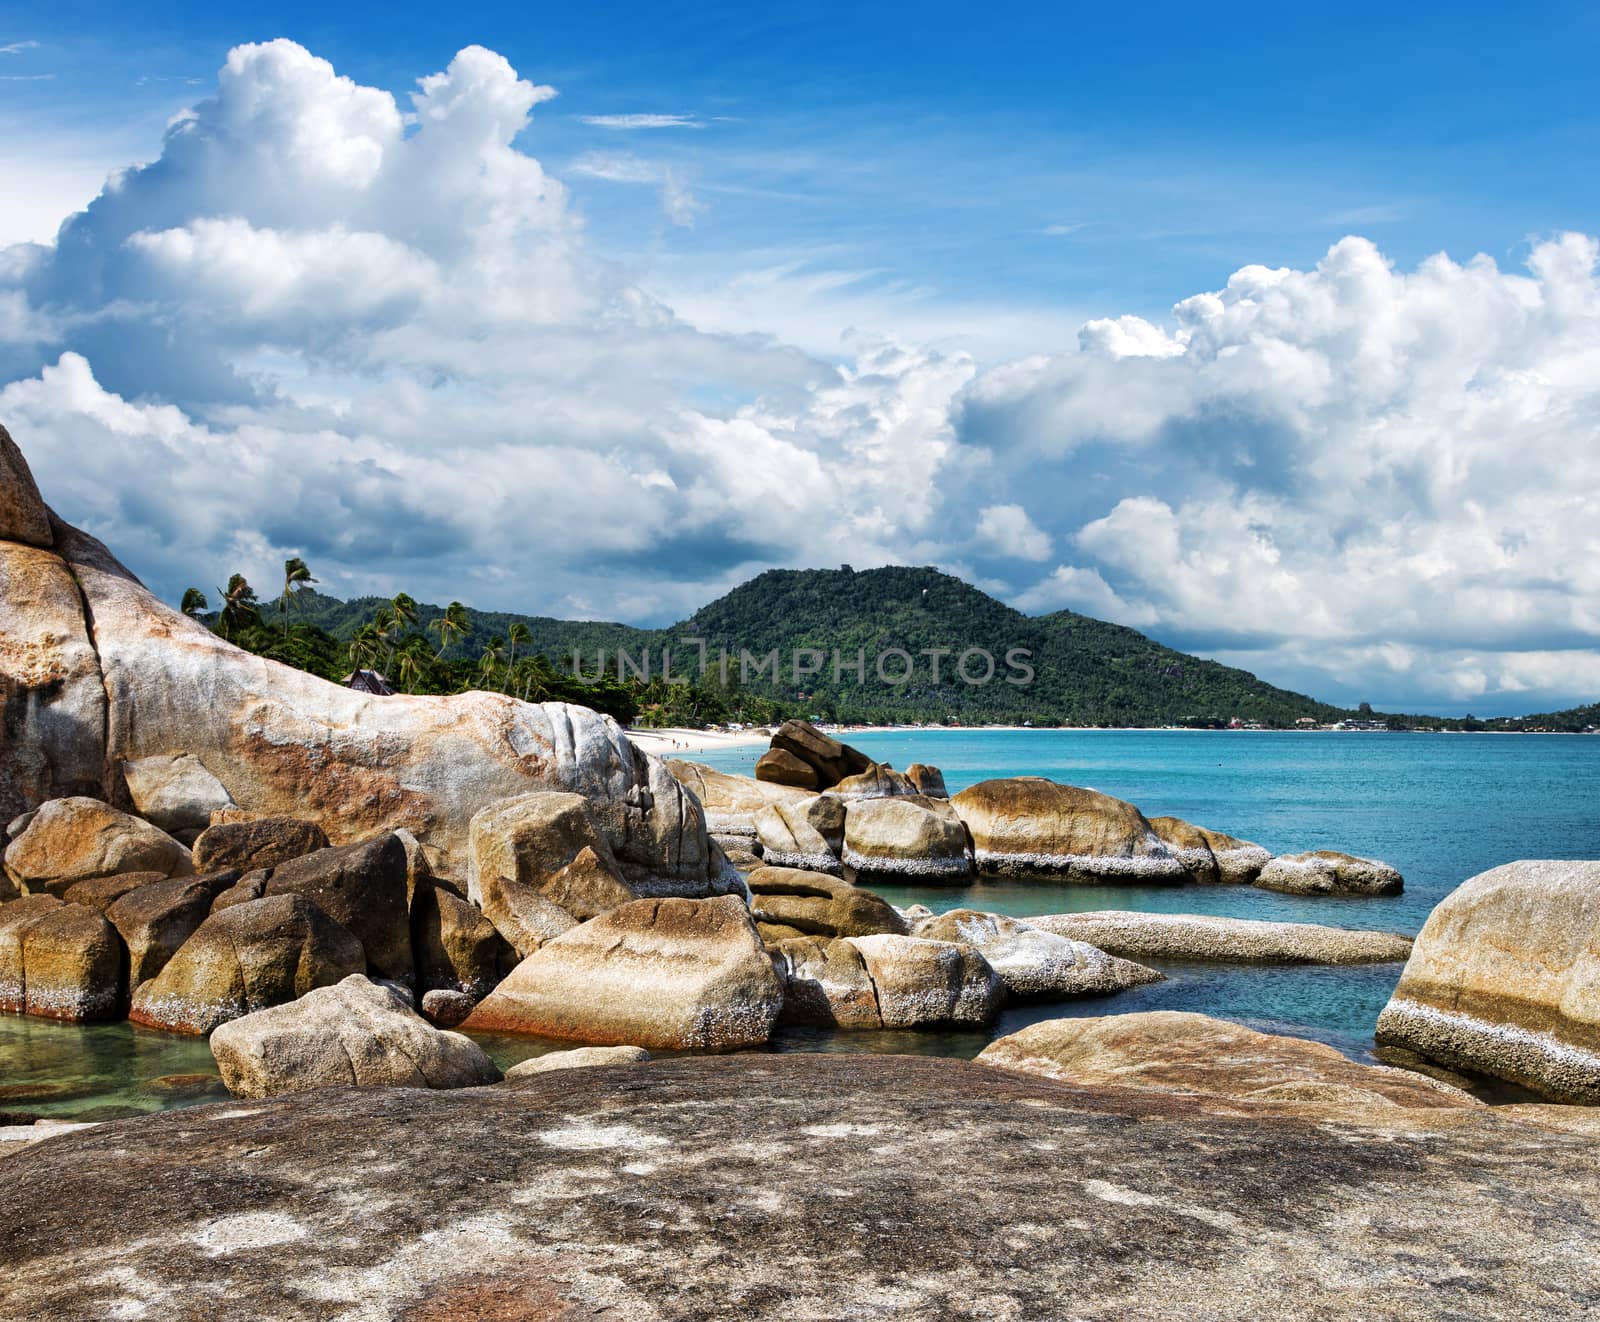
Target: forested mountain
(1084, 671)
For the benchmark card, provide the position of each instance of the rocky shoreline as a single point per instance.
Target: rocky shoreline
(328, 885)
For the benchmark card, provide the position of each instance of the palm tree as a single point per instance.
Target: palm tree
(449, 626)
(404, 609)
(296, 579)
(238, 604)
(410, 663)
(493, 654)
(364, 648)
(516, 634)
(194, 603)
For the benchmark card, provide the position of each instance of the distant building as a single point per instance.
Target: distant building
(368, 681)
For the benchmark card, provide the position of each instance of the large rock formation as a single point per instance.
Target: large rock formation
(920, 983)
(905, 839)
(688, 975)
(779, 1187)
(1210, 856)
(1171, 1051)
(1505, 980)
(1328, 872)
(1202, 938)
(352, 1034)
(1035, 964)
(246, 958)
(79, 839)
(804, 833)
(549, 844)
(362, 887)
(152, 683)
(732, 802)
(778, 766)
(1028, 826)
(829, 760)
(155, 920)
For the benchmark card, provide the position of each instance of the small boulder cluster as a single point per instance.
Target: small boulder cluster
(818, 804)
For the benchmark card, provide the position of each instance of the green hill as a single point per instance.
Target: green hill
(1084, 671)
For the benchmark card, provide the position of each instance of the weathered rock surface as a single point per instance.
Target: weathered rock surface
(251, 886)
(667, 974)
(362, 887)
(23, 517)
(815, 904)
(524, 918)
(353, 1034)
(927, 780)
(1504, 980)
(155, 920)
(102, 892)
(282, 741)
(1027, 826)
(455, 946)
(1210, 857)
(731, 802)
(52, 704)
(260, 842)
(246, 958)
(578, 1058)
(778, 766)
(1022, 1197)
(921, 983)
(548, 843)
(1033, 963)
(1328, 872)
(68, 960)
(878, 781)
(78, 839)
(826, 983)
(176, 792)
(805, 833)
(904, 838)
(1171, 1051)
(1201, 938)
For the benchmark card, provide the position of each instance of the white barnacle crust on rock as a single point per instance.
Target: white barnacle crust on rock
(1504, 980)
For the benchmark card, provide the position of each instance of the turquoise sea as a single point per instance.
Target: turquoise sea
(1441, 808)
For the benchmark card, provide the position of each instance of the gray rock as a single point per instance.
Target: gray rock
(355, 1034)
(1035, 964)
(1202, 938)
(175, 791)
(778, 1187)
(1328, 872)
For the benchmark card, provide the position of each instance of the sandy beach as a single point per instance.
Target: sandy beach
(672, 742)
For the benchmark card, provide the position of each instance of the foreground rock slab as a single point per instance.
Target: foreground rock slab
(909, 1188)
(1505, 980)
(1204, 939)
(355, 1033)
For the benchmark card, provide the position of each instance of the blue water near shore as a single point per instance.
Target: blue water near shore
(1441, 808)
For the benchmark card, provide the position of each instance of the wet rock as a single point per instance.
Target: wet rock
(1019, 1194)
(1035, 964)
(78, 839)
(455, 946)
(663, 974)
(73, 963)
(578, 1058)
(778, 766)
(1328, 872)
(1026, 826)
(260, 842)
(815, 904)
(920, 983)
(363, 888)
(1202, 938)
(901, 839)
(176, 792)
(1504, 980)
(155, 920)
(352, 1034)
(244, 959)
(445, 1008)
(1171, 1051)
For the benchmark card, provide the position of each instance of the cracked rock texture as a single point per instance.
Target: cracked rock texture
(800, 1187)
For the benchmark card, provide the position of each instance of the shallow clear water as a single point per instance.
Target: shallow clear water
(1441, 808)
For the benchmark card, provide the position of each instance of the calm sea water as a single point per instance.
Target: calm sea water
(1441, 808)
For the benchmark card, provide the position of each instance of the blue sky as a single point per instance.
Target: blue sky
(909, 272)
